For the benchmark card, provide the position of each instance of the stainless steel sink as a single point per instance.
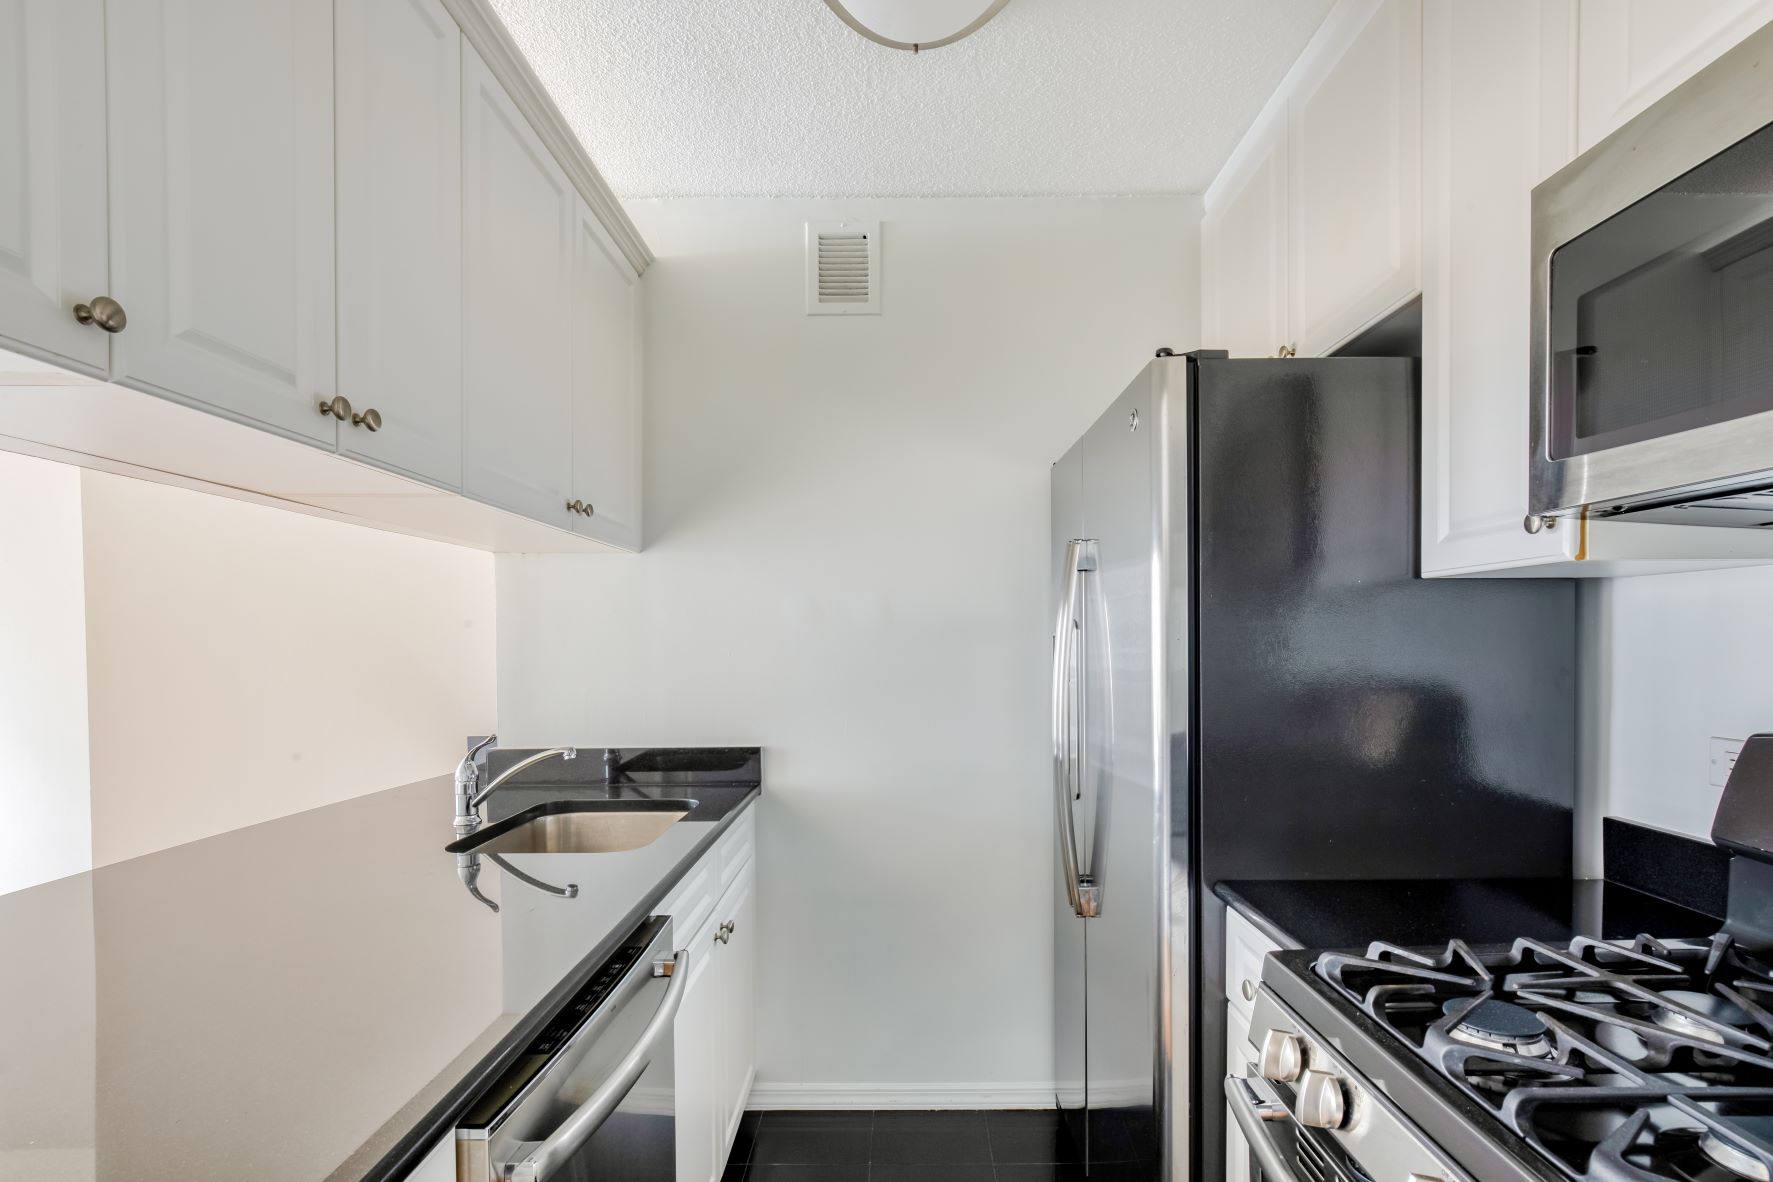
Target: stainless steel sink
(577, 827)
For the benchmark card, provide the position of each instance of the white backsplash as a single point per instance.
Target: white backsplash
(1669, 662)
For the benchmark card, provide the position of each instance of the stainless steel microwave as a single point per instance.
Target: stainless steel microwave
(1652, 366)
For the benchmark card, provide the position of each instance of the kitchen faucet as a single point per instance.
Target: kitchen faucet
(469, 794)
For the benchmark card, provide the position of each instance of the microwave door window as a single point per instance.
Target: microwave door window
(1662, 316)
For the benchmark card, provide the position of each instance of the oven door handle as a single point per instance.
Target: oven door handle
(576, 1129)
(1250, 1112)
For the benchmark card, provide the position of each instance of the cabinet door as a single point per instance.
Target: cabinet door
(399, 68)
(1635, 51)
(738, 1005)
(221, 186)
(52, 178)
(1244, 246)
(1353, 151)
(606, 386)
(696, 1035)
(518, 210)
(1496, 120)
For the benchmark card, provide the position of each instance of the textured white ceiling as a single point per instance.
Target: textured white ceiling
(682, 98)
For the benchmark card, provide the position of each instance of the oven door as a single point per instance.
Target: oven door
(1652, 361)
(593, 1096)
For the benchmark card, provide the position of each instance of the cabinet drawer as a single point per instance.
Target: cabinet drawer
(690, 905)
(736, 847)
(1244, 949)
(692, 902)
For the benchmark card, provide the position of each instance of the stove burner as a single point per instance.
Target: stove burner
(1727, 1156)
(1717, 1009)
(1502, 1026)
(1609, 1061)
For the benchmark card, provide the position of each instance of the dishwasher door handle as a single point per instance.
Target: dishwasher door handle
(1251, 1112)
(576, 1129)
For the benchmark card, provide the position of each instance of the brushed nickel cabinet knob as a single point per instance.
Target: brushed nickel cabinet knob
(104, 312)
(371, 418)
(338, 407)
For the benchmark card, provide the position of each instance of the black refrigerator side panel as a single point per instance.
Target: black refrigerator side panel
(1353, 720)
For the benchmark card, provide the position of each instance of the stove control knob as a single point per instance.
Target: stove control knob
(1282, 1057)
(1322, 1104)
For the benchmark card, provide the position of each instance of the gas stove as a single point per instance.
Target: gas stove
(1638, 1060)
(1647, 1061)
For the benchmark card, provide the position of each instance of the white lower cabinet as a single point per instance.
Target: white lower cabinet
(716, 1031)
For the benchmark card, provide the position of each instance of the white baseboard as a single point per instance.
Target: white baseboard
(768, 1097)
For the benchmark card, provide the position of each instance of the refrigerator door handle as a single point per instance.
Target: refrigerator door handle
(1069, 721)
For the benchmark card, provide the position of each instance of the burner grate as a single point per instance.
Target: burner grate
(1619, 1063)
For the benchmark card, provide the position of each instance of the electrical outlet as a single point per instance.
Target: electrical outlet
(1723, 759)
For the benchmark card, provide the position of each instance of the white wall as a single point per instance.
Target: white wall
(247, 663)
(45, 817)
(847, 525)
(174, 665)
(1668, 662)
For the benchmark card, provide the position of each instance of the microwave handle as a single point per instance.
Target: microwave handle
(576, 1129)
(1250, 1111)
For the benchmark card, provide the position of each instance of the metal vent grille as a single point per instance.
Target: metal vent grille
(843, 268)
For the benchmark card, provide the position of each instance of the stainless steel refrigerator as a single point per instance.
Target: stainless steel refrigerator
(1251, 682)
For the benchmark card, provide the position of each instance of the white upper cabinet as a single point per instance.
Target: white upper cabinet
(1244, 293)
(519, 213)
(399, 87)
(52, 179)
(1312, 231)
(1635, 51)
(606, 386)
(1354, 143)
(221, 187)
(1496, 120)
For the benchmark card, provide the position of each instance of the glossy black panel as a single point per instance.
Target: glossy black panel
(1683, 870)
(1353, 720)
(1325, 914)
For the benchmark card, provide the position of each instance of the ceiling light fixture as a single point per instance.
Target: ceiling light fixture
(915, 24)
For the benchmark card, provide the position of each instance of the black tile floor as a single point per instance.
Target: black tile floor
(897, 1146)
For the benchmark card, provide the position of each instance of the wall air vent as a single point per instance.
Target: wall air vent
(842, 268)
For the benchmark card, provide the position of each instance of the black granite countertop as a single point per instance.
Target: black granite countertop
(311, 997)
(1353, 914)
(1669, 885)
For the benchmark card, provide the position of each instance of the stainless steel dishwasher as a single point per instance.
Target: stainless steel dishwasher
(593, 1096)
